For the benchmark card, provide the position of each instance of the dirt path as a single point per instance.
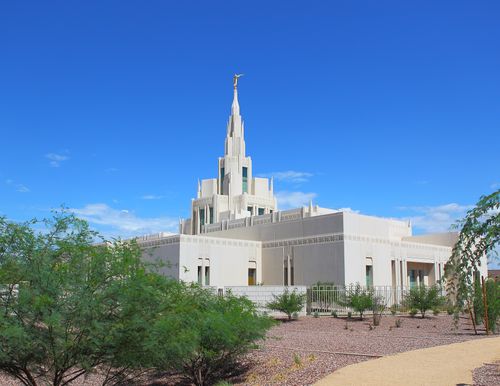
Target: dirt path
(441, 365)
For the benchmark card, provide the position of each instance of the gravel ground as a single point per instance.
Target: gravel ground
(303, 351)
(487, 375)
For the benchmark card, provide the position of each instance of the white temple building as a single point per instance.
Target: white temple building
(238, 237)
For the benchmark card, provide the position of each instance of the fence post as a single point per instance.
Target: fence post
(308, 301)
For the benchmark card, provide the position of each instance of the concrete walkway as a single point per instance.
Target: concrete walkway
(441, 365)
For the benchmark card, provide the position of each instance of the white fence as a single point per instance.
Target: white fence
(324, 299)
(263, 294)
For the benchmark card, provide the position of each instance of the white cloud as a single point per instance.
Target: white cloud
(124, 223)
(152, 197)
(289, 176)
(437, 218)
(56, 159)
(287, 200)
(21, 188)
(347, 210)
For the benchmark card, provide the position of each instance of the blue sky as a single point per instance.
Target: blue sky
(116, 108)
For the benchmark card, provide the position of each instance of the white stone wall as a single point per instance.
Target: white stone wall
(163, 251)
(228, 260)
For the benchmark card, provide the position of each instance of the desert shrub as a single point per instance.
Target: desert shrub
(378, 308)
(413, 312)
(208, 334)
(394, 309)
(436, 311)
(316, 314)
(358, 299)
(423, 298)
(349, 314)
(398, 323)
(334, 314)
(493, 301)
(288, 302)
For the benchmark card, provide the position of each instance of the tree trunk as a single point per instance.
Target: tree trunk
(485, 301)
(30, 377)
(472, 317)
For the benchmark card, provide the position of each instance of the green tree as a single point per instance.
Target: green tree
(69, 305)
(358, 299)
(288, 302)
(423, 298)
(479, 235)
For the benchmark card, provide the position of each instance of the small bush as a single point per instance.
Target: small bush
(378, 309)
(288, 303)
(334, 314)
(316, 314)
(394, 309)
(358, 299)
(349, 315)
(493, 298)
(413, 312)
(424, 298)
(435, 311)
(398, 323)
(297, 359)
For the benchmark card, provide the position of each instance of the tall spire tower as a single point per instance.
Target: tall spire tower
(234, 193)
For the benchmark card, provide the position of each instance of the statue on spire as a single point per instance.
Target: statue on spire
(235, 79)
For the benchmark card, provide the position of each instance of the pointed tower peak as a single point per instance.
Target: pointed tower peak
(235, 107)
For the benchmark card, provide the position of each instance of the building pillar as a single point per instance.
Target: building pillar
(197, 221)
(398, 273)
(202, 271)
(289, 270)
(405, 272)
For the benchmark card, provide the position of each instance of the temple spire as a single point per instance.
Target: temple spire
(235, 107)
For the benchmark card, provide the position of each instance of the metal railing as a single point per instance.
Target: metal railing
(324, 299)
